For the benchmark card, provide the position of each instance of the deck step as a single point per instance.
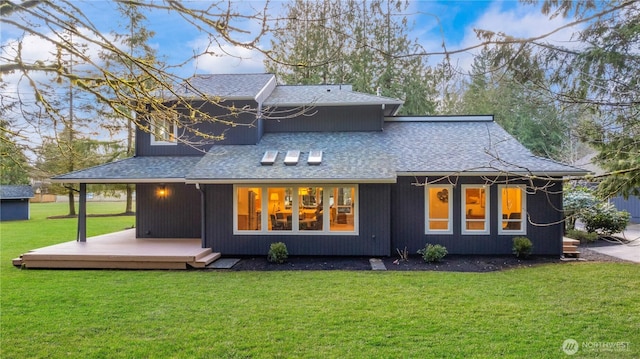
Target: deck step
(205, 253)
(570, 247)
(205, 261)
(17, 262)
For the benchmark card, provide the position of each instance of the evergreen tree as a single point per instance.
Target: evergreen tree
(363, 43)
(524, 112)
(14, 167)
(597, 79)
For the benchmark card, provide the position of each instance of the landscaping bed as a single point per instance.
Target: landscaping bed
(451, 263)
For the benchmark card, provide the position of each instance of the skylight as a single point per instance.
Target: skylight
(269, 158)
(291, 159)
(315, 157)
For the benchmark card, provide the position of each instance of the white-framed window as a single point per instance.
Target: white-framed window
(295, 209)
(438, 209)
(163, 128)
(475, 209)
(512, 209)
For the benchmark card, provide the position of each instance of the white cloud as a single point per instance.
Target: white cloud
(520, 22)
(227, 59)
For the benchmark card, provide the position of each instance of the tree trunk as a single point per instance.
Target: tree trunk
(129, 208)
(72, 203)
(130, 133)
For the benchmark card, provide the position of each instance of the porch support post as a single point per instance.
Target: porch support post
(82, 214)
(203, 215)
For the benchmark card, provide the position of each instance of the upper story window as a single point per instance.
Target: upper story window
(439, 209)
(475, 209)
(330, 209)
(512, 208)
(163, 127)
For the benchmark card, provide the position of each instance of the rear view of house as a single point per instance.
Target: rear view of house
(330, 171)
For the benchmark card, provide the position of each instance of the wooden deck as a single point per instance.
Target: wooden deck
(121, 250)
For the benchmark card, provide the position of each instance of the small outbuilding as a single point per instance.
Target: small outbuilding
(14, 202)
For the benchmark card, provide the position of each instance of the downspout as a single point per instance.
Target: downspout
(203, 216)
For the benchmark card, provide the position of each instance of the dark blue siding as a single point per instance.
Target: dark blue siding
(408, 220)
(14, 209)
(328, 119)
(631, 205)
(243, 132)
(373, 238)
(545, 227)
(175, 216)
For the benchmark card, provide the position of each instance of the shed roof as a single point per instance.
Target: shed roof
(16, 191)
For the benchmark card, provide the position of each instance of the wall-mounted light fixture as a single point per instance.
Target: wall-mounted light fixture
(162, 191)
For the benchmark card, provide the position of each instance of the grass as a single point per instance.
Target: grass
(325, 314)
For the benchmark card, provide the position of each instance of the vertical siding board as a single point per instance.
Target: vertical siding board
(219, 204)
(14, 209)
(176, 216)
(545, 227)
(374, 221)
(408, 222)
(631, 205)
(407, 214)
(245, 132)
(331, 119)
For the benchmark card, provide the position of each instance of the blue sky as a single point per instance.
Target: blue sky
(177, 41)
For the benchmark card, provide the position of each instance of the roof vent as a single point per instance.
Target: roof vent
(291, 159)
(269, 158)
(315, 157)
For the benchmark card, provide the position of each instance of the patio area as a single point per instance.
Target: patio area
(121, 250)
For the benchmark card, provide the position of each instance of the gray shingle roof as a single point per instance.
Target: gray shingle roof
(402, 148)
(135, 170)
(16, 191)
(468, 146)
(348, 157)
(228, 86)
(325, 95)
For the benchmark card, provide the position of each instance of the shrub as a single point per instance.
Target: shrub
(522, 247)
(278, 253)
(582, 236)
(605, 219)
(433, 252)
(574, 202)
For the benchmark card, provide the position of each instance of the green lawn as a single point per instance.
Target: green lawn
(524, 313)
